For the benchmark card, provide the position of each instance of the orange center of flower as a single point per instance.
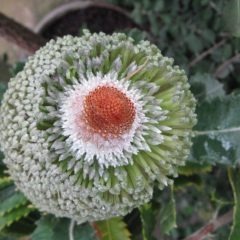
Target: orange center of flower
(108, 111)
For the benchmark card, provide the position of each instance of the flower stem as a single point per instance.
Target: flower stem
(71, 230)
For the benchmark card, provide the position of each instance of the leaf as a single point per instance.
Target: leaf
(6, 192)
(44, 230)
(52, 228)
(168, 215)
(204, 86)
(234, 178)
(16, 68)
(16, 200)
(158, 6)
(148, 218)
(5, 181)
(218, 131)
(14, 216)
(232, 17)
(112, 229)
(154, 22)
(136, 14)
(25, 226)
(207, 34)
(194, 43)
(13, 205)
(2, 166)
(83, 231)
(192, 168)
(136, 34)
(186, 181)
(3, 88)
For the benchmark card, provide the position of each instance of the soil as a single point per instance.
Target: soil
(96, 19)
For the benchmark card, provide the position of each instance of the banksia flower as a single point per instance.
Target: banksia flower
(93, 122)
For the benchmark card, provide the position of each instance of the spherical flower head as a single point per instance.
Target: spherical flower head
(92, 123)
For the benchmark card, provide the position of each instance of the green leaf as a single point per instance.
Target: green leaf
(168, 215)
(186, 181)
(194, 43)
(52, 228)
(158, 6)
(232, 17)
(2, 167)
(192, 168)
(234, 178)
(14, 216)
(44, 230)
(16, 68)
(5, 181)
(112, 229)
(25, 226)
(13, 205)
(136, 34)
(83, 231)
(7, 191)
(154, 22)
(148, 218)
(3, 88)
(218, 131)
(136, 14)
(207, 34)
(205, 87)
(16, 200)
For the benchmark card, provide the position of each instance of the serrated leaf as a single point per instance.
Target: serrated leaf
(204, 86)
(112, 229)
(168, 215)
(14, 216)
(13, 205)
(14, 201)
(234, 178)
(23, 227)
(218, 131)
(148, 218)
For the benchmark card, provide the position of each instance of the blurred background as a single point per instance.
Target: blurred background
(27, 12)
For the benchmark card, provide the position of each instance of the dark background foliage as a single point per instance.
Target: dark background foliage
(197, 35)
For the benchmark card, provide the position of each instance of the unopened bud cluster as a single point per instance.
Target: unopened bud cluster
(92, 123)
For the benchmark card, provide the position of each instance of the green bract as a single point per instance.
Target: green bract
(92, 122)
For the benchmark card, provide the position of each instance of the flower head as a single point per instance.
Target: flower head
(92, 122)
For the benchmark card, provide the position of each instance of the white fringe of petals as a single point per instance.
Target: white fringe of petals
(83, 143)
